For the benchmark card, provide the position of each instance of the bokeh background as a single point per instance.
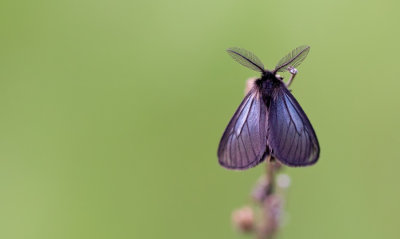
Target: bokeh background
(111, 113)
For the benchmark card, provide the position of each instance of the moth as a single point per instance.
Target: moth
(269, 122)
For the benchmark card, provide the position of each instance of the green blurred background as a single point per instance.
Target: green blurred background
(111, 113)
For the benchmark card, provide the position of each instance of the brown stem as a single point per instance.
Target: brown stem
(271, 205)
(270, 170)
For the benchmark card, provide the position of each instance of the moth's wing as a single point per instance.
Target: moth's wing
(293, 59)
(246, 58)
(291, 137)
(244, 142)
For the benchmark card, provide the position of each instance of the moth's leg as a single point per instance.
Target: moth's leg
(293, 72)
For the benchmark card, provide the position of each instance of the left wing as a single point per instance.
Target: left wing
(244, 142)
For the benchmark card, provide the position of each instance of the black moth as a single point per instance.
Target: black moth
(269, 122)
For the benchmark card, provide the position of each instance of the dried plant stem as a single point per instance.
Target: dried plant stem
(270, 205)
(270, 173)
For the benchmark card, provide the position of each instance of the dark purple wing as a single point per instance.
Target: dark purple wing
(291, 137)
(244, 142)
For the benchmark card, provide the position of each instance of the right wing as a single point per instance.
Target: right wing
(291, 137)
